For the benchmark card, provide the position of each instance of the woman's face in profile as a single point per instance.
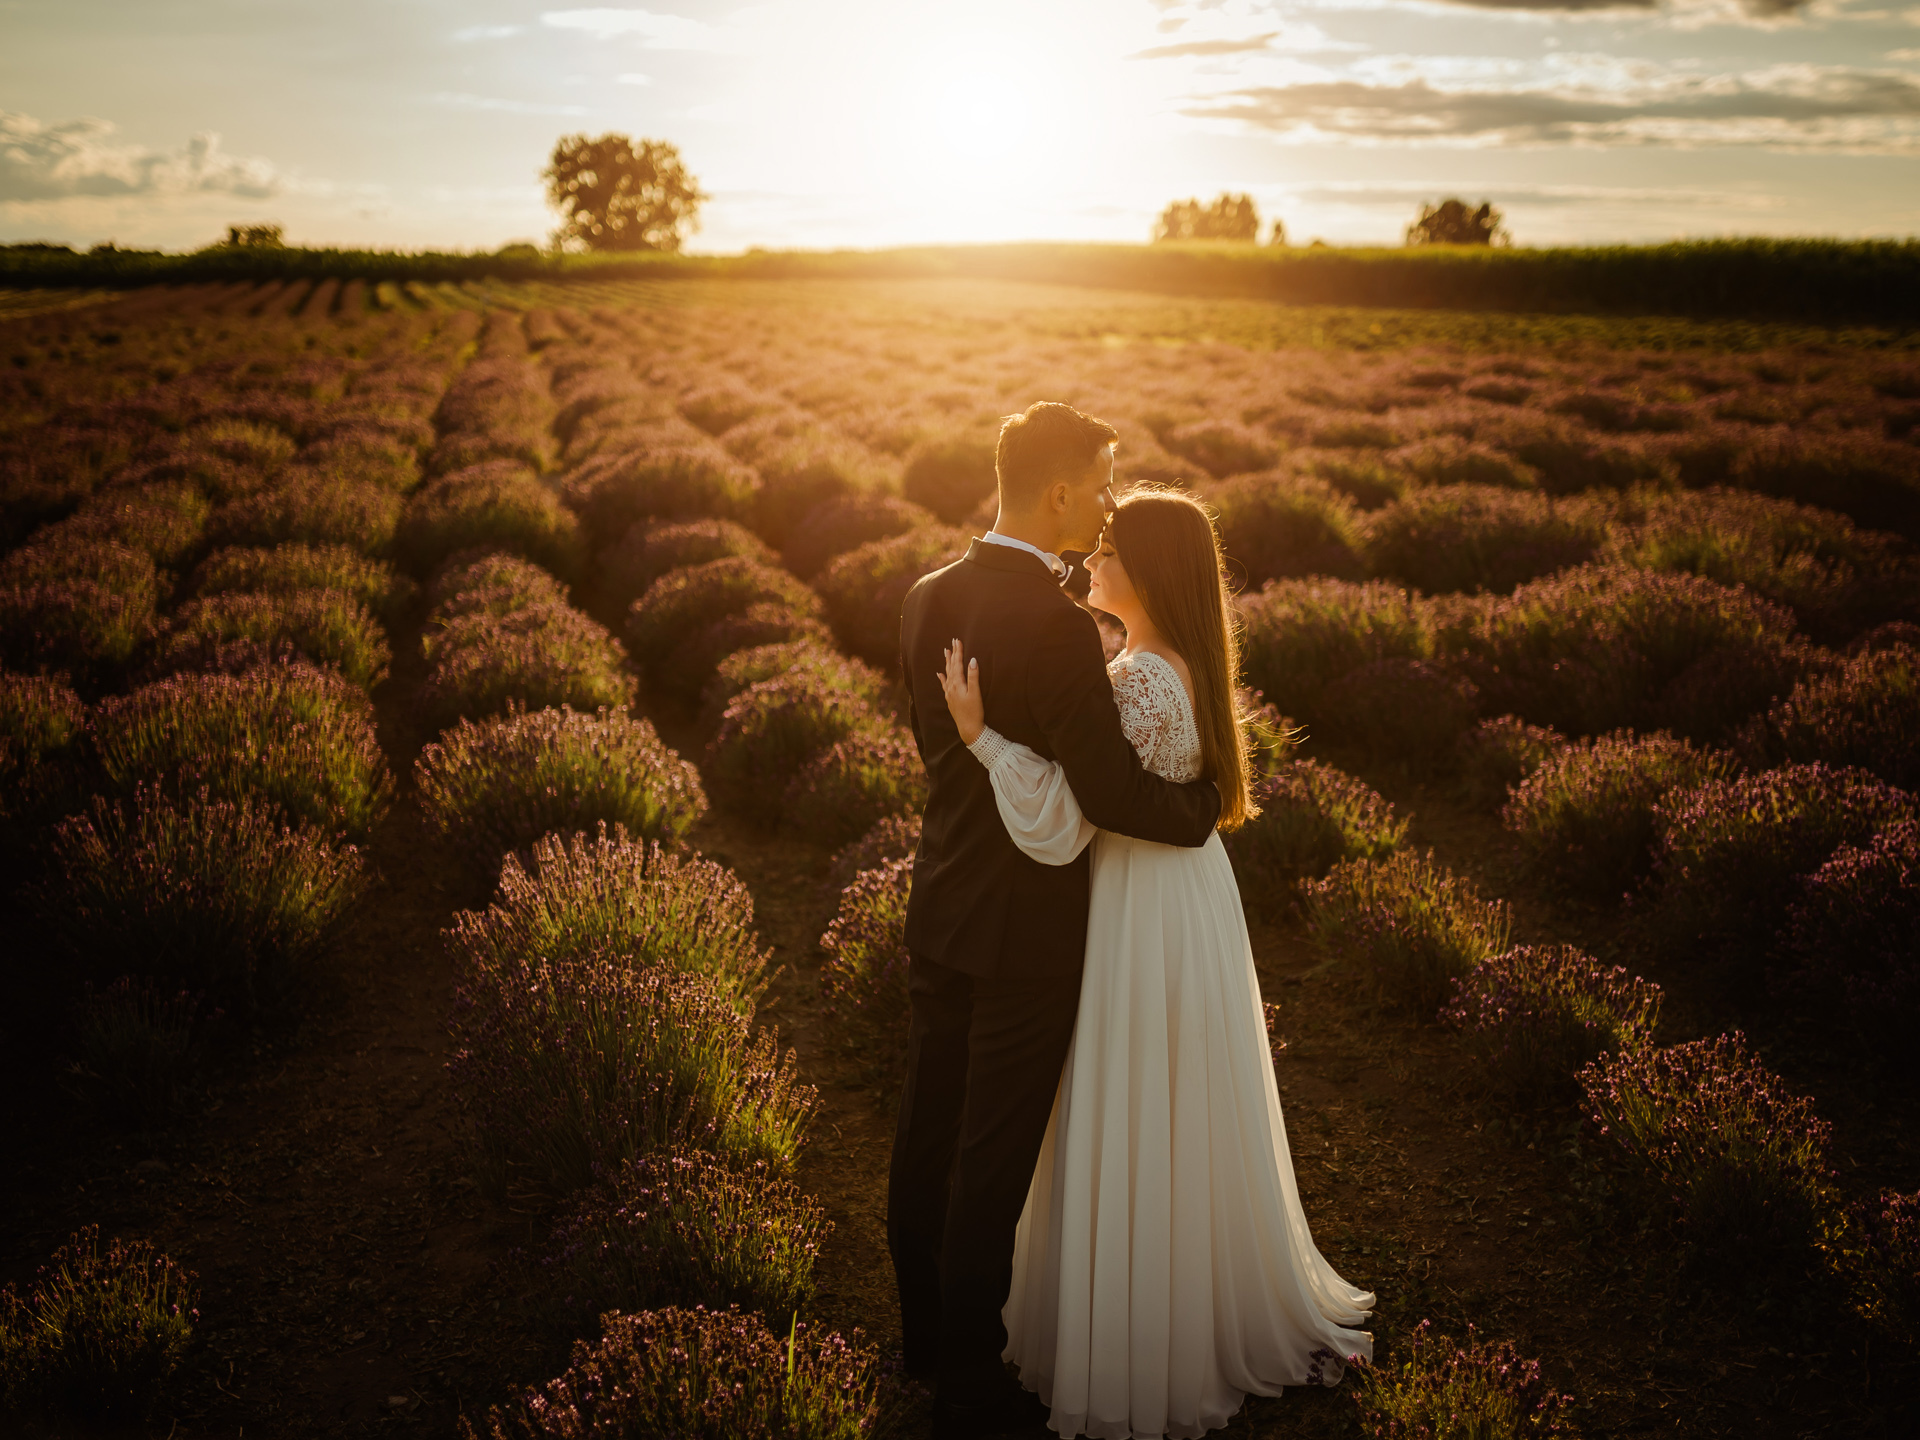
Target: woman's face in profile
(1111, 590)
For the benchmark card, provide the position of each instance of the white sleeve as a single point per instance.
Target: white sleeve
(1036, 803)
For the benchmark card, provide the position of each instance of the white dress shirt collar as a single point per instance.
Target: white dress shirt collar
(1055, 565)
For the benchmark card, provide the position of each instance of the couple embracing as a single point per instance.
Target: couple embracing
(1090, 1176)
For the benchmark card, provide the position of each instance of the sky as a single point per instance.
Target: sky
(867, 123)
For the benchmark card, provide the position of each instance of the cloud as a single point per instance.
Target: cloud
(1205, 47)
(459, 101)
(1363, 193)
(487, 32)
(44, 161)
(656, 31)
(1799, 107)
(1685, 13)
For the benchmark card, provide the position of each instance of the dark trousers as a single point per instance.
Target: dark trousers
(983, 1063)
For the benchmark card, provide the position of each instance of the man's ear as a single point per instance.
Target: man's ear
(1059, 496)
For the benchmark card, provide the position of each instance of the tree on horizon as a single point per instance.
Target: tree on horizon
(1229, 217)
(1451, 222)
(615, 193)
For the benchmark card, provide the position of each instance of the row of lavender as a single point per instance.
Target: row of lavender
(188, 738)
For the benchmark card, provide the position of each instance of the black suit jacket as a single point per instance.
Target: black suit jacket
(978, 904)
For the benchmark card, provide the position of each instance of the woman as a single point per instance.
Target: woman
(1163, 1268)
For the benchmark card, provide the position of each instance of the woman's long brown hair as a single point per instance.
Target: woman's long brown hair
(1166, 540)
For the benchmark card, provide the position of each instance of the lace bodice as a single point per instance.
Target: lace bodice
(1156, 715)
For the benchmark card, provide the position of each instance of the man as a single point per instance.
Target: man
(996, 940)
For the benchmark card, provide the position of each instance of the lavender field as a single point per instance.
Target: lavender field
(458, 814)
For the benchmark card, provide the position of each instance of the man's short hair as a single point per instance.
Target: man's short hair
(1049, 441)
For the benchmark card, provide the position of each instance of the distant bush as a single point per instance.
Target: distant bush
(287, 733)
(799, 475)
(895, 838)
(1728, 853)
(1282, 524)
(865, 588)
(1222, 447)
(1498, 754)
(1855, 933)
(863, 980)
(82, 607)
(718, 408)
(1476, 537)
(327, 627)
(1585, 814)
(633, 902)
(139, 1047)
(569, 1070)
(1414, 924)
(164, 521)
(499, 785)
(98, 1337)
(496, 505)
(1594, 648)
(682, 1228)
(650, 548)
(1875, 481)
(491, 582)
(1311, 818)
(1720, 697)
(697, 1375)
(1410, 711)
(498, 408)
(366, 455)
(852, 785)
(42, 723)
(1301, 635)
(831, 529)
(772, 729)
(1362, 476)
(1718, 1142)
(675, 630)
(814, 658)
(614, 491)
(1868, 714)
(308, 508)
(483, 664)
(1480, 1390)
(288, 569)
(1448, 461)
(950, 477)
(1536, 1015)
(1570, 458)
(209, 892)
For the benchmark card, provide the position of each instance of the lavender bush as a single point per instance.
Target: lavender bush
(291, 568)
(567, 1070)
(501, 784)
(1498, 754)
(1284, 523)
(300, 738)
(309, 508)
(1585, 814)
(97, 1336)
(1728, 853)
(1715, 1138)
(1301, 635)
(852, 785)
(1883, 1263)
(328, 627)
(864, 588)
(496, 505)
(814, 658)
(679, 481)
(1444, 1391)
(1536, 1015)
(139, 1048)
(628, 900)
(213, 892)
(1414, 924)
(164, 521)
(1873, 480)
(1410, 711)
(863, 981)
(1480, 537)
(1855, 935)
(668, 627)
(771, 730)
(41, 723)
(679, 1227)
(490, 582)
(482, 664)
(831, 529)
(652, 547)
(1311, 818)
(895, 838)
(700, 1375)
(1867, 714)
(950, 476)
(83, 608)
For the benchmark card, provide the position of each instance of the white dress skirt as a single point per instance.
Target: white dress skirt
(1163, 1268)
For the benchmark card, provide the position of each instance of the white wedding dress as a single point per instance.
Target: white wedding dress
(1163, 1269)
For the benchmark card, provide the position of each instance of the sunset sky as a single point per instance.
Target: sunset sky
(876, 122)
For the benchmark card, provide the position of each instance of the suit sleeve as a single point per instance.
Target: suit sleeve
(1072, 701)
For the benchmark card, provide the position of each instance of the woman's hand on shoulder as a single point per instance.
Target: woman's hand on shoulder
(960, 683)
